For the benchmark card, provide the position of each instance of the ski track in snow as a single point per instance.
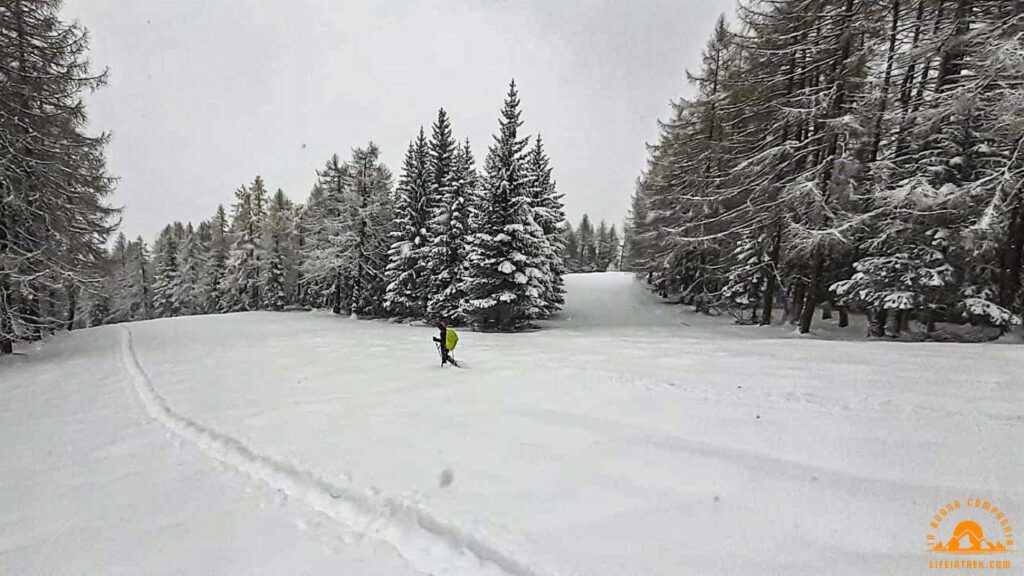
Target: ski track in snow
(427, 543)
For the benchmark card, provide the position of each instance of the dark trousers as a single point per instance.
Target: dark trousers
(445, 356)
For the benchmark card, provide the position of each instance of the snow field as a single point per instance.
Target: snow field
(615, 441)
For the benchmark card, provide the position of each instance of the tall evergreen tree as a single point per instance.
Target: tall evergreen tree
(587, 245)
(407, 287)
(187, 286)
(442, 168)
(447, 300)
(507, 254)
(318, 272)
(245, 261)
(346, 250)
(635, 251)
(326, 256)
(120, 308)
(368, 221)
(550, 216)
(614, 249)
(452, 171)
(277, 245)
(215, 281)
(602, 247)
(166, 275)
(53, 181)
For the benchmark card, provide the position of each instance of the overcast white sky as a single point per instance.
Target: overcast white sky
(206, 94)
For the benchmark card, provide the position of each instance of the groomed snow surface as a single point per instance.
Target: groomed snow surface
(615, 441)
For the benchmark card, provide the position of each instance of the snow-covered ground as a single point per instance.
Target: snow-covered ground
(616, 441)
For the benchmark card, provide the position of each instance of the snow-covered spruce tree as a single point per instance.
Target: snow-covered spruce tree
(587, 258)
(450, 222)
(138, 285)
(242, 283)
(460, 208)
(215, 275)
(549, 214)
(507, 253)
(277, 247)
(897, 283)
(745, 279)
(602, 248)
(165, 278)
(53, 181)
(119, 271)
(186, 287)
(406, 293)
(439, 256)
(615, 249)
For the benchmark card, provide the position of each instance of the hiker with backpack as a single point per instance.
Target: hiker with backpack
(446, 342)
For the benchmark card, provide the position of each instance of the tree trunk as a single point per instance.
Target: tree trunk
(768, 300)
(807, 314)
(951, 63)
(336, 304)
(797, 302)
(907, 84)
(898, 322)
(69, 324)
(929, 319)
(773, 275)
(877, 319)
(876, 140)
(33, 320)
(838, 78)
(6, 323)
(922, 86)
(844, 317)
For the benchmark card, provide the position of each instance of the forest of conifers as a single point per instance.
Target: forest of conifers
(859, 155)
(448, 242)
(843, 155)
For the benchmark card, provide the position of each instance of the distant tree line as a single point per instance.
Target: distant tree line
(449, 242)
(590, 250)
(853, 154)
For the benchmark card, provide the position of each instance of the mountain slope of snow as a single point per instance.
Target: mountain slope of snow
(616, 440)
